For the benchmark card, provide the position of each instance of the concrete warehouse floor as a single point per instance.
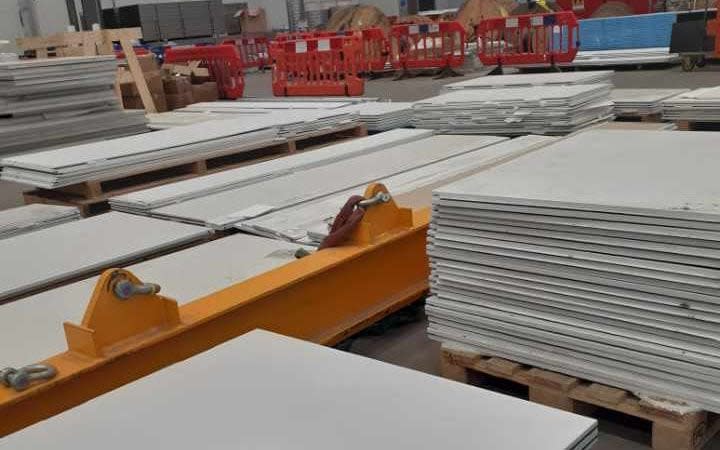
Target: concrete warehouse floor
(406, 344)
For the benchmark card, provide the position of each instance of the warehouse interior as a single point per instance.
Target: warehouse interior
(321, 224)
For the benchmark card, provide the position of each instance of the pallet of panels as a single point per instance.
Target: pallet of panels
(697, 110)
(645, 105)
(671, 430)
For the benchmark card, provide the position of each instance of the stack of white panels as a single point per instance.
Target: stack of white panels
(624, 57)
(290, 123)
(141, 202)
(596, 256)
(24, 219)
(308, 223)
(382, 116)
(279, 105)
(700, 105)
(137, 154)
(641, 102)
(183, 276)
(48, 102)
(224, 209)
(34, 261)
(551, 110)
(534, 79)
(321, 399)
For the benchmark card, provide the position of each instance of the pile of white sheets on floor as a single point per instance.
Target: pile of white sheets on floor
(51, 102)
(534, 79)
(641, 102)
(24, 219)
(383, 116)
(595, 256)
(552, 110)
(700, 105)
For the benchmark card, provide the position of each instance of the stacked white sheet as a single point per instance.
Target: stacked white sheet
(624, 57)
(308, 223)
(137, 154)
(534, 79)
(143, 201)
(550, 110)
(24, 219)
(641, 102)
(36, 260)
(383, 116)
(49, 102)
(595, 256)
(225, 209)
(701, 105)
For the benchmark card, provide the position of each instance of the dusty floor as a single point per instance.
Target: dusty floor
(407, 344)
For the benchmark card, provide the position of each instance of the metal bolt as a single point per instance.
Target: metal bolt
(125, 289)
(380, 197)
(21, 379)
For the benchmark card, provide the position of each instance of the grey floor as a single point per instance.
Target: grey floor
(407, 345)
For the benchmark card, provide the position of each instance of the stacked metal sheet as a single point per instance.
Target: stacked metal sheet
(701, 105)
(595, 256)
(624, 57)
(308, 223)
(534, 79)
(224, 209)
(641, 102)
(36, 260)
(136, 154)
(383, 116)
(184, 276)
(141, 202)
(49, 102)
(27, 218)
(290, 123)
(552, 110)
(332, 400)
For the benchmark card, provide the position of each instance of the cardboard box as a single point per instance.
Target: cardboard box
(206, 92)
(176, 85)
(177, 101)
(135, 102)
(128, 88)
(177, 69)
(148, 63)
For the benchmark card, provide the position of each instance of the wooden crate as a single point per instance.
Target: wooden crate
(91, 197)
(78, 43)
(670, 430)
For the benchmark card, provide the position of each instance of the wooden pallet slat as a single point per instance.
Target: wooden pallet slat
(670, 430)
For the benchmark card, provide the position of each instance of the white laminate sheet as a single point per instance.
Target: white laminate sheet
(26, 218)
(35, 260)
(534, 79)
(332, 400)
(183, 276)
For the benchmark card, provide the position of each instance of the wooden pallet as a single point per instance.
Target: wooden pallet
(91, 197)
(688, 125)
(652, 118)
(670, 430)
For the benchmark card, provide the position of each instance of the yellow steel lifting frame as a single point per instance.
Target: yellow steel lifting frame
(322, 298)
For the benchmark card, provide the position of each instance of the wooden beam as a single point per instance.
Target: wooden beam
(138, 76)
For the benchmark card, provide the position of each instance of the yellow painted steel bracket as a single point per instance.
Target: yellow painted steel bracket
(323, 298)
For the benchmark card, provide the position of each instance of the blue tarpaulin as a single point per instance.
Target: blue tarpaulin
(615, 33)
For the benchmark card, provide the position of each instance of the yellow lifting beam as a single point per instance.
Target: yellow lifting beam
(323, 298)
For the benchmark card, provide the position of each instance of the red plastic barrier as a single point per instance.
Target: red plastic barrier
(532, 39)
(427, 46)
(318, 66)
(222, 61)
(253, 51)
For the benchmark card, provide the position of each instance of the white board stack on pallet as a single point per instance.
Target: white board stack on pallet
(641, 102)
(534, 79)
(700, 105)
(328, 400)
(51, 102)
(27, 218)
(595, 256)
(552, 110)
(383, 116)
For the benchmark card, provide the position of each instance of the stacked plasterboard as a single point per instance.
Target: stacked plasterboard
(382, 116)
(332, 400)
(624, 57)
(291, 123)
(141, 202)
(534, 79)
(49, 102)
(551, 110)
(701, 105)
(24, 219)
(42, 258)
(257, 104)
(641, 102)
(184, 276)
(596, 256)
(308, 223)
(229, 207)
(137, 154)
